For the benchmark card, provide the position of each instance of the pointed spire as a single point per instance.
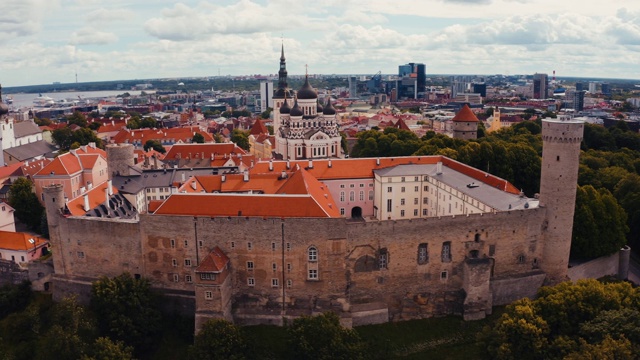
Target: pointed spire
(282, 52)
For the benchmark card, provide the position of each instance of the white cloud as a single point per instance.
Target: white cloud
(89, 36)
(22, 18)
(103, 15)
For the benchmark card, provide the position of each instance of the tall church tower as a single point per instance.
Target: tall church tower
(283, 93)
(558, 183)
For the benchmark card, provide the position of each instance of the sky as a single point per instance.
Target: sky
(44, 41)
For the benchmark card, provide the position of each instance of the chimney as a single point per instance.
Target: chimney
(223, 178)
(246, 176)
(288, 165)
(329, 162)
(89, 185)
(110, 187)
(106, 197)
(283, 175)
(270, 164)
(146, 160)
(252, 164)
(439, 168)
(310, 163)
(378, 161)
(86, 202)
(183, 178)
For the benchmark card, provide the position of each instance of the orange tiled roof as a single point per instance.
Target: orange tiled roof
(33, 167)
(215, 262)
(65, 164)
(465, 114)
(96, 195)
(7, 170)
(88, 161)
(185, 151)
(19, 241)
(183, 134)
(242, 205)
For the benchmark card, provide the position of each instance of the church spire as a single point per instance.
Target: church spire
(283, 86)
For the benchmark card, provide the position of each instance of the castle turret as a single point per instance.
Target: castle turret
(558, 183)
(54, 207)
(119, 159)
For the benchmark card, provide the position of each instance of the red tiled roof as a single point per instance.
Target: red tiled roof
(31, 168)
(88, 161)
(96, 195)
(242, 205)
(215, 262)
(8, 170)
(259, 128)
(183, 134)
(465, 115)
(65, 164)
(19, 241)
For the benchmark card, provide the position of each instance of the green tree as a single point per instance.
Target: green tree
(599, 223)
(241, 138)
(14, 298)
(155, 145)
(22, 198)
(322, 337)
(266, 114)
(627, 191)
(106, 349)
(197, 138)
(218, 339)
(126, 310)
(77, 118)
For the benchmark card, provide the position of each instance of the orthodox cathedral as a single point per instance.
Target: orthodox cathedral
(303, 127)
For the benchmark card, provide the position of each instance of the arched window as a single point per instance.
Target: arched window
(313, 253)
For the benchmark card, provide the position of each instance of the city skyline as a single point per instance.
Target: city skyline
(51, 41)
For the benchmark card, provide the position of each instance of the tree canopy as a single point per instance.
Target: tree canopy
(218, 339)
(25, 202)
(241, 138)
(155, 145)
(569, 321)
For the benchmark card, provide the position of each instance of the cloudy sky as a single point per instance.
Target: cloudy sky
(42, 41)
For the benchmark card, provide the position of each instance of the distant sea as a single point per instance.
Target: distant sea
(26, 100)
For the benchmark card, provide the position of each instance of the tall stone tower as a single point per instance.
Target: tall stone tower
(119, 159)
(558, 182)
(54, 207)
(465, 124)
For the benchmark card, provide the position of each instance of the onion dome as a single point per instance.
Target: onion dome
(4, 109)
(319, 108)
(306, 91)
(295, 110)
(285, 109)
(329, 109)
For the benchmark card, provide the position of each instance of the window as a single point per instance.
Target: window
(361, 195)
(492, 250)
(352, 195)
(288, 246)
(402, 213)
(389, 207)
(371, 185)
(313, 253)
(402, 189)
(383, 259)
(208, 295)
(446, 251)
(423, 255)
(415, 201)
(444, 275)
(352, 185)
(274, 266)
(186, 243)
(401, 201)
(273, 246)
(173, 243)
(341, 195)
(402, 179)
(289, 267)
(341, 186)
(207, 276)
(424, 212)
(233, 244)
(341, 211)
(176, 277)
(425, 201)
(249, 246)
(415, 212)
(249, 265)
(370, 195)
(416, 178)
(174, 262)
(521, 259)
(274, 283)
(188, 278)
(416, 188)
(289, 283)
(426, 188)
(251, 281)
(200, 243)
(389, 189)
(187, 262)
(473, 254)
(80, 255)
(312, 274)
(361, 185)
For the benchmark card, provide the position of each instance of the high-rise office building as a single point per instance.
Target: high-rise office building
(460, 84)
(540, 86)
(606, 89)
(266, 95)
(353, 87)
(412, 80)
(579, 86)
(480, 88)
(578, 100)
(592, 87)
